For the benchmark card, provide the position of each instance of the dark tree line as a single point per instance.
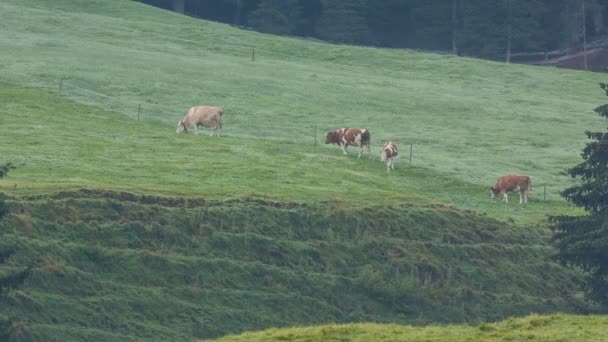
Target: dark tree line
(485, 28)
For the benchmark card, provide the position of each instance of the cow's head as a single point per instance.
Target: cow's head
(333, 137)
(181, 127)
(493, 192)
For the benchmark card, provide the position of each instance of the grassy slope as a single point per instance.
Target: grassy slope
(118, 266)
(107, 269)
(470, 120)
(537, 328)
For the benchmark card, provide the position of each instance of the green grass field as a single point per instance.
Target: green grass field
(536, 328)
(132, 231)
(470, 120)
(119, 266)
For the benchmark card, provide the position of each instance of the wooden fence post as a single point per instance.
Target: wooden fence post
(411, 150)
(138, 111)
(315, 135)
(252, 54)
(60, 85)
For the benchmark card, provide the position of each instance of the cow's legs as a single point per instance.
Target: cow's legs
(369, 151)
(506, 197)
(196, 129)
(393, 163)
(343, 148)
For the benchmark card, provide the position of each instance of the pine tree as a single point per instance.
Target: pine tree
(4, 170)
(344, 21)
(269, 18)
(389, 23)
(582, 241)
(432, 23)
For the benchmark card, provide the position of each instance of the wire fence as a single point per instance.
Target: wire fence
(235, 124)
(311, 134)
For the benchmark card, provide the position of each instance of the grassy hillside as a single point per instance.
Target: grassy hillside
(537, 328)
(469, 120)
(116, 266)
(120, 229)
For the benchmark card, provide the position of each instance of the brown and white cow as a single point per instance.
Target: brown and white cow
(523, 184)
(350, 136)
(201, 116)
(388, 155)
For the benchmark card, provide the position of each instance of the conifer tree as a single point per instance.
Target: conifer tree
(269, 18)
(4, 170)
(582, 241)
(344, 21)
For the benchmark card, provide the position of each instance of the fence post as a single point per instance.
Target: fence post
(545, 193)
(138, 111)
(252, 54)
(411, 150)
(315, 135)
(60, 85)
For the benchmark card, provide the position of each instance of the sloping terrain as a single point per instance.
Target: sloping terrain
(469, 121)
(536, 328)
(120, 229)
(116, 266)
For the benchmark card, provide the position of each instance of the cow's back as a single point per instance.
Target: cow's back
(201, 114)
(356, 136)
(513, 182)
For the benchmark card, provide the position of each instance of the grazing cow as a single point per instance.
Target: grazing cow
(350, 136)
(523, 184)
(202, 116)
(388, 155)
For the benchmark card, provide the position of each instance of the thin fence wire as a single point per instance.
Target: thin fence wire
(309, 134)
(235, 125)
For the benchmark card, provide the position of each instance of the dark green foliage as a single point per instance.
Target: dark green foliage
(11, 278)
(482, 28)
(343, 21)
(583, 240)
(605, 87)
(270, 17)
(5, 168)
(134, 266)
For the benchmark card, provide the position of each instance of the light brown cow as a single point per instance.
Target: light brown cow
(202, 116)
(523, 184)
(388, 155)
(350, 136)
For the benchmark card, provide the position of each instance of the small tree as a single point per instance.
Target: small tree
(583, 240)
(4, 169)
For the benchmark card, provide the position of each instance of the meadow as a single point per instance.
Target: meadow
(125, 230)
(469, 121)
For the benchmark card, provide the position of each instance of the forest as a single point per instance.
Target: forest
(492, 29)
